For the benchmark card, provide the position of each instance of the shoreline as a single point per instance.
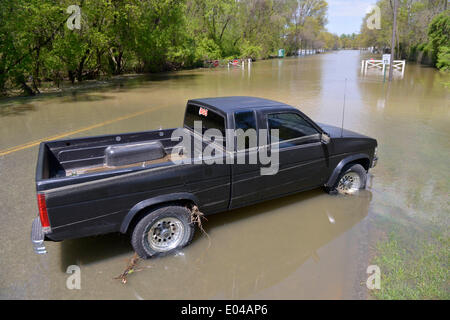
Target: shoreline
(66, 86)
(49, 88)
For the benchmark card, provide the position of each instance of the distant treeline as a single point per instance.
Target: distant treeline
(122, 36)
(423, 31)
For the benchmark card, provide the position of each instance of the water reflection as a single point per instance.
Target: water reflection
(15, 109)
(247, 256)
(93, 249)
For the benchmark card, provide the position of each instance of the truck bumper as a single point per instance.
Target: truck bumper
(37, 237)
(374, 162)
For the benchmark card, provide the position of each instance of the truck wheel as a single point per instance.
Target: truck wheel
(352, 179)
(162, 231)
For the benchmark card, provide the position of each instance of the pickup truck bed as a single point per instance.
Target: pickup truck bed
(83, 156)
(102, 167)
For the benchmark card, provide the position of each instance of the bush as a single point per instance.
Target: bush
(250, 51)
(443, 58)
(207, 49)
(439, 33)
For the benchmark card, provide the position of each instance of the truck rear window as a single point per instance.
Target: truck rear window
(245, 120)
(209, 119)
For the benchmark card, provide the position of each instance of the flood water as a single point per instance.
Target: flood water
(311, 245)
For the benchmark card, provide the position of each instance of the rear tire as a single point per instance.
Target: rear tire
(162, 231)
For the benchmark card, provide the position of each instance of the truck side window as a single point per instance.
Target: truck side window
(245, 120)
(293, 129)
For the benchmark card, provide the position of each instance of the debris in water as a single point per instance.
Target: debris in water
(196, 218)
(131, 267)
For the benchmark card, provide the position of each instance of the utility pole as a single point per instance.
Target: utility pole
(394, 27)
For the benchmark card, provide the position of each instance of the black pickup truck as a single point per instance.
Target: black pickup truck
(144, 183)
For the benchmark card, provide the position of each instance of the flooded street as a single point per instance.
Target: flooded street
(306, 246)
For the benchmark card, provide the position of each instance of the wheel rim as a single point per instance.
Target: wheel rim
(349, 183)
(165, 234)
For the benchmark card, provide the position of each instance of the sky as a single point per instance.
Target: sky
(345, 16)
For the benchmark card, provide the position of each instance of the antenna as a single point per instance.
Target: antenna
(343, 109)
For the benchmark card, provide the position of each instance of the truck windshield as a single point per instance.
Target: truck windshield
(208, 118)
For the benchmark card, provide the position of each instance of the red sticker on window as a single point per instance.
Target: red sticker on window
(203, 112)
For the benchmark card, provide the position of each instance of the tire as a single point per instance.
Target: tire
(170, 227)
(352, 179)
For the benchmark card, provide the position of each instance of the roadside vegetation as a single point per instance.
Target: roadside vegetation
(423, 31)
(140, 36)
(414, 264)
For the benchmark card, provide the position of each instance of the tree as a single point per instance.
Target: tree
(307, 19)
(27, 29)
(413, 19)
(119, 36)
(394, 29)
(439, 35)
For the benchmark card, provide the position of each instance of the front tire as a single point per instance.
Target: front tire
(352, 180)
(162, 231)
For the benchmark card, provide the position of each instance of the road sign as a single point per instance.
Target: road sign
(386, 59)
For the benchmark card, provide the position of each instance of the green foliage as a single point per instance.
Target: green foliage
(422, 27)
(118, 36)
(249, 50)
(443, 58)
(207, 49)
(329, 41)
(305, 22)
(439, 35)
(349, 41)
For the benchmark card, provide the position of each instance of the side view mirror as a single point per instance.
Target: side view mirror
(325, 138)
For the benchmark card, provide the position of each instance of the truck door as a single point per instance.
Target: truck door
(247, 181)
(302, 156)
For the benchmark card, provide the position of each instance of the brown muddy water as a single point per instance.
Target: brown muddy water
(310, 245)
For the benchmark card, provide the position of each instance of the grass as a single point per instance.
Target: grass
(413, 265)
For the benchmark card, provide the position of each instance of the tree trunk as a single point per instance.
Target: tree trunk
(27, 89)
(36, 80)
(72, 76)
(20, 80)
(394, 27)
(80, 68)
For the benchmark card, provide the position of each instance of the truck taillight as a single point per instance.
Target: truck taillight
(43, 212)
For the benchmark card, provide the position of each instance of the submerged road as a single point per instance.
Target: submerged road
(309, 245)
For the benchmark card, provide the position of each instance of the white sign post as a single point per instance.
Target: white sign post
(386, 61)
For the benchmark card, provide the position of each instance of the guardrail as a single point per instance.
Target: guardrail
(398, 65)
